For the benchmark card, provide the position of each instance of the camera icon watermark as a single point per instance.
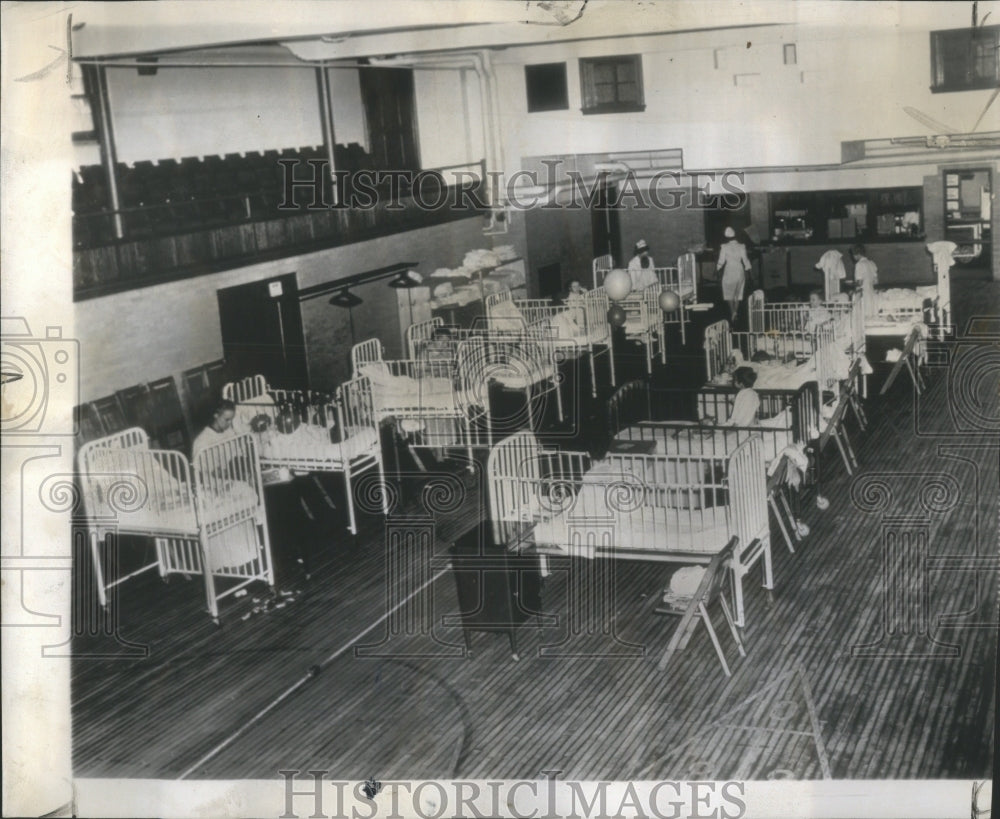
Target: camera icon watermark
(41, 377)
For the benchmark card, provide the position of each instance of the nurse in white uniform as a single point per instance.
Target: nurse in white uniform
(640, 267)
(734, 264)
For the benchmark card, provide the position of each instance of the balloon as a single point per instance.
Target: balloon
(669, 301)
(616, 315)
(287, 422)
(617, 284)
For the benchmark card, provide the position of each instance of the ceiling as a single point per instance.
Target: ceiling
(346, 29)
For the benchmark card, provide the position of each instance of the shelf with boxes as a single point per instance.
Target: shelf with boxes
(458, 295)
(799, 217)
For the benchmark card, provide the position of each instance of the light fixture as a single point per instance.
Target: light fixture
(345, 298)
(405, 280)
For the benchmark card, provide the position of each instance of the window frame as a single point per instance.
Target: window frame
(588, 95)
(940, 84)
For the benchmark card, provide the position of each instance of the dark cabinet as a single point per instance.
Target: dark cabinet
(498, 589)
(774, 268)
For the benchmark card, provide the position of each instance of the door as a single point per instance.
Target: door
(605, 224)
(550, 279)
(390, 114)
(262, 332)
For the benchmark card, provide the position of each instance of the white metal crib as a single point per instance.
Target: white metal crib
(784, 361)
(434, 403)
(785, 425)
(637, 507)
(206, 517)
(306, 431)
(847, 319)
(644, 322)
(579, 324)
(526, 362)
(682, 280)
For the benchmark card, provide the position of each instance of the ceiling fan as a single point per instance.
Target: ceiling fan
(947, 136)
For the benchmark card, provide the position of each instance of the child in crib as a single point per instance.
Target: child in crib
(747, 403)
(575, 293)
(818, 315)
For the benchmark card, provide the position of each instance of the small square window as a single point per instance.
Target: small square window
(546, 87)
(611, 84)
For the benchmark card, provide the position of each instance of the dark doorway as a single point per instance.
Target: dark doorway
(605, 224)
(722, 212)
(550, 279)
(387, 95)
(262, 332)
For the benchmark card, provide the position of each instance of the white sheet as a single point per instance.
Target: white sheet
(599, 506)
(703, 531)
(520, 377)
(395, 392)
(312, 442)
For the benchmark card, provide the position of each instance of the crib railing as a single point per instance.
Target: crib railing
(718, 346)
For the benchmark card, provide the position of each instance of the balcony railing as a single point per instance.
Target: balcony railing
(176, 240)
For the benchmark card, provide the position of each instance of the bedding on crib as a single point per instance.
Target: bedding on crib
(664, 510)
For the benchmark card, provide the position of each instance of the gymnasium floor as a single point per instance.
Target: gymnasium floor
(872, 660)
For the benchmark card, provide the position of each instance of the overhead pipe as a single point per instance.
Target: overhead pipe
(326, 121)
(106, 143)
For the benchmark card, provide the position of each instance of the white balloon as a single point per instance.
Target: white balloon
(617, 284)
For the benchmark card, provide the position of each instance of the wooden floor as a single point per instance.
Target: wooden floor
(876, 657)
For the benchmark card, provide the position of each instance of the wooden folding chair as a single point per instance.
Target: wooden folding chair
(778, 501)
(690, 609)
(835, 430)
(854, 378)
(908, 360)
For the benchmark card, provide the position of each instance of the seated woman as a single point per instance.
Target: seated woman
(747, 403)
(219, 429)
(818, 315)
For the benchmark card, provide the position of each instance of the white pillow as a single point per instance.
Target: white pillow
(377, 372)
